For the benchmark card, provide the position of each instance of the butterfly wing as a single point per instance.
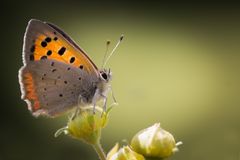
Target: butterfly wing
(51, 87)
(55, 72)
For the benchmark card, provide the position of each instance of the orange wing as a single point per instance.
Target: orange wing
(46, 41)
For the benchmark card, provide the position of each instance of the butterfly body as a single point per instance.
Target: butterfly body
(57, 74)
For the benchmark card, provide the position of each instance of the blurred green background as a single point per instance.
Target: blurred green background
(178, 65)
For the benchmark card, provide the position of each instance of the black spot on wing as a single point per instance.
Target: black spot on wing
(31, 57)
(61, 51)
(49, 52)
(72, 59)
(48, 39)
(44, 44)
(32, 48)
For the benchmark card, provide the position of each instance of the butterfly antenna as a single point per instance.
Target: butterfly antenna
(119, 41)
(105, 55)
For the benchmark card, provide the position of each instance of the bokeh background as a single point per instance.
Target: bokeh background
(178, 65)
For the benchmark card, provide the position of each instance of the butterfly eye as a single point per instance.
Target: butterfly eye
(104, 75)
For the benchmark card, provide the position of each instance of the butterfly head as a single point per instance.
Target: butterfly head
(105, 75)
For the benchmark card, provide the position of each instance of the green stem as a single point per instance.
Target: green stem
(98, 148)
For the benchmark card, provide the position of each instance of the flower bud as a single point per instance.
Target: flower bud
(154, 142)
(125, 153)
(86, 126)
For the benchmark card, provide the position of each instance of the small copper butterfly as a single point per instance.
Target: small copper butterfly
(57, 74)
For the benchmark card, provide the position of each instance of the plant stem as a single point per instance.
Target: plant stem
(98, 148)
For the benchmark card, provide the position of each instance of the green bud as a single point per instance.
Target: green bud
(125, 153)
(154, 142)
(86, 126)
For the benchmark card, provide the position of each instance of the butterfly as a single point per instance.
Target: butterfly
(57, 74)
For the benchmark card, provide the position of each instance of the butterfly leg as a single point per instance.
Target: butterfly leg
(96, 97)
(77, 111)
(75, 114)
(104, 103)
(104, 97)
(94, 102)
(94, 108)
